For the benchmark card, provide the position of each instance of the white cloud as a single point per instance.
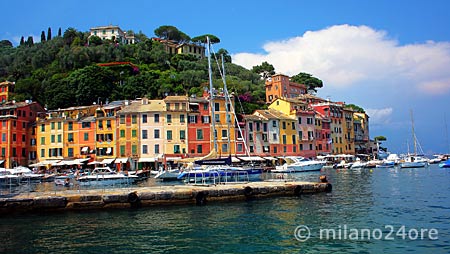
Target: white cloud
(345, 56)
(379, 116)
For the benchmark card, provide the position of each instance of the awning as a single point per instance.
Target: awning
(270, 158)
(85, 149)
(121, 160)
(108, 161)
(94, 163)
(251, 158)
(49, 162)
(39, 164)
(147, 159)
(233, 159)
(81, 161)
(173, 158)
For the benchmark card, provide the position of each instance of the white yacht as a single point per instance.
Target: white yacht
(106, 176)
(298, 164)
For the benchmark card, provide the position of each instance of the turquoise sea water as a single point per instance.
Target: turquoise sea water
(382, 200)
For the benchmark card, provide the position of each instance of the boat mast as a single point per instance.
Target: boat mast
(227, 100)
(413, 133)
(211, 95)
(446, 134)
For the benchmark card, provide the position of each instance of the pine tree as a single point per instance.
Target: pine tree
(42, 36)
(22, 41)
(49, 34)
(59, 32)
(30, 41)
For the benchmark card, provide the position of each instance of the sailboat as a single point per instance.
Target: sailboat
(213, 166)
(414, 160)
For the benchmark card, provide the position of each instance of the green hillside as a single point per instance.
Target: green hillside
(63, 71)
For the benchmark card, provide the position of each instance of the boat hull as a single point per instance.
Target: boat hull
(303, 167)
(413, 164)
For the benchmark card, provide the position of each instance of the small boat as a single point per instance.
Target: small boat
(167, 175)
(222, 173)
(445, 164)
(358, 165)
(414, 161)
(7, 179)
(106, 176)
(386, 164)
(298, 164)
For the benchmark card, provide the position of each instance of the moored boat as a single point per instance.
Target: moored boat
(413, 161)
(299, 164)
(106, 176)
(445, 164)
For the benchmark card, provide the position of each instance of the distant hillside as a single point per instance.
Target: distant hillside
(64, 71)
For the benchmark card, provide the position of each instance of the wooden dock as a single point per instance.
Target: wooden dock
(155, 196)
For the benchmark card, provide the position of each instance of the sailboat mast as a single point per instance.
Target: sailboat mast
(211, 95)
(446, 134)
(227, 100)
(413, 133)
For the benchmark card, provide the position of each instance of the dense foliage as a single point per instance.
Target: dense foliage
(64, 71)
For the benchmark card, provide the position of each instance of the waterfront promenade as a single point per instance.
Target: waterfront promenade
(154, 196)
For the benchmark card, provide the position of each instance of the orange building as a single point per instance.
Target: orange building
(6, 88)
(281, 86)
(16, 122)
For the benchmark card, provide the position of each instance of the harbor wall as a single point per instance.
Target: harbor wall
(155, 196)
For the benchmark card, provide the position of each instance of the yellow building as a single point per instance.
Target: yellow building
(50, 137)
(175, 127)
(224, 125)
(107, 132)
(361, 127)
(348, 130)
(128, 137)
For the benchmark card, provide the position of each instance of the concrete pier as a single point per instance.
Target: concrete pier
(155, 196)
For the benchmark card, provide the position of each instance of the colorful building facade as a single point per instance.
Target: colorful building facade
(17, 123)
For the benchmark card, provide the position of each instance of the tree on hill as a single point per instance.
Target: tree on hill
(355, 108)
(29, 41)
(171, 33)
(6, 44)
(59, 32)
(202, 39)
(311, 82)
(42, 36)
(49, 34)
(265, 70)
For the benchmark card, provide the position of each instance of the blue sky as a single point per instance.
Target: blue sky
(389, 57)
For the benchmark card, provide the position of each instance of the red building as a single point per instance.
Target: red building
(199, 127)
(17, 120)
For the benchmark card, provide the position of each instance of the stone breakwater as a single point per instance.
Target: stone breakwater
(154, 196)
